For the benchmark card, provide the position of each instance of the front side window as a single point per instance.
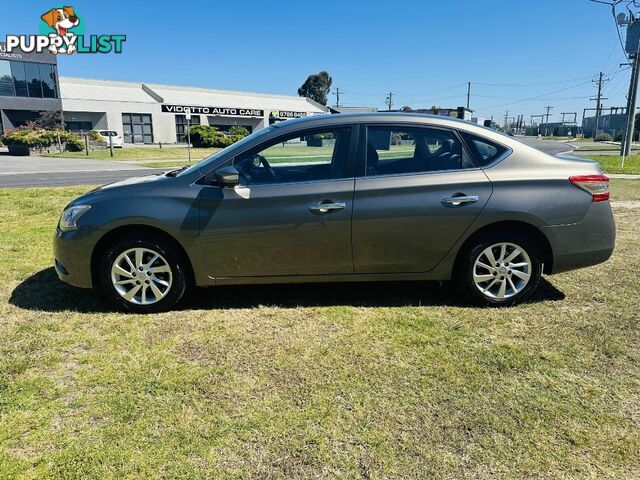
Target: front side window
(399, 150)
(310, 156)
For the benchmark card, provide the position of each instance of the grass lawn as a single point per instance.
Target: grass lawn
(331, 381)
(623, 189)
(611, 163)
(602, 148)
(142, 153)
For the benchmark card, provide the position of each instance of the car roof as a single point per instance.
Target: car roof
(392, 117)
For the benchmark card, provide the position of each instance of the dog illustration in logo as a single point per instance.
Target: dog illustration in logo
(61, 20)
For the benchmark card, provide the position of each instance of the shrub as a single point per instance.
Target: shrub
(71, 142)
(95, 136)
(36, 138)
(238, 130)
(205, 136)
(603, 137)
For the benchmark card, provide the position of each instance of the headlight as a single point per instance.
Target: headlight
(71, 215)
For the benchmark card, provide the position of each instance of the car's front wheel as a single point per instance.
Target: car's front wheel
(499, 269)
(142, 274)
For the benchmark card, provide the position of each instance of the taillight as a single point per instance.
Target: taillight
(596, 185)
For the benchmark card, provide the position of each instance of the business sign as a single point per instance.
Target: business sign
(224, 111)
(287, 114)
(61, 30)
(17, 54)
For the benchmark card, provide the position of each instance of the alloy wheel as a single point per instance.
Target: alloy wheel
(502, 270)
(141, 276)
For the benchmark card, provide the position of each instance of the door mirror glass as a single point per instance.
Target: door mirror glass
(227, 176)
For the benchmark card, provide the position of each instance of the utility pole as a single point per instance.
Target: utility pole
(546, 124)
(389, 100)
(468, 94)
(337, 97)
(627, 139)
(598, 99)
(537, 125)
(506, 118)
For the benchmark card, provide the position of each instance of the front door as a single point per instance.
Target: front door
(291, 213)
(418, 194)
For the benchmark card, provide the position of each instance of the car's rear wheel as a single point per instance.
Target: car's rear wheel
(499, 269)
(142, 274)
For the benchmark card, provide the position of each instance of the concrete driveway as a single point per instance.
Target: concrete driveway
(40, 171)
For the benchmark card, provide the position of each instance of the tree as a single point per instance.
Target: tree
(316, 87)
(49, 120)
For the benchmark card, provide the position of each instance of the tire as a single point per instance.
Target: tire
(484, 286)
(147, 264)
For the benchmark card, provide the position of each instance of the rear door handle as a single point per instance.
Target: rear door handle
(324, 207)
(458, 201)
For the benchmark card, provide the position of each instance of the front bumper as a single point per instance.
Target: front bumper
(588, 242)
(72, 252)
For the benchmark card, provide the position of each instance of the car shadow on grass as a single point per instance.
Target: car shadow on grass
(43, 291)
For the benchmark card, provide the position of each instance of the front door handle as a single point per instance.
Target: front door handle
(324, 207)
(458, 201)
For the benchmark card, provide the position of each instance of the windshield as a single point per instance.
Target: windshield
(203, 163)
(108, 133)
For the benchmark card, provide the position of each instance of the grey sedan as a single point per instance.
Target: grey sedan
(339, 198)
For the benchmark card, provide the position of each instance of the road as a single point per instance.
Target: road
(54, 172)
(551, 147)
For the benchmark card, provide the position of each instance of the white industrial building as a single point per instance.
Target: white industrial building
(152, 113)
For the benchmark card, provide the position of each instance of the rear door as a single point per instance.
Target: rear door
(417, 191)
(291, 214)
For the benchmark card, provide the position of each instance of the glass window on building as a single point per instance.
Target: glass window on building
(28, 79)
(19, 79)
(226, 128)
(78, 127)
(6, 80)
(181, 126)
(49, 81)
(34, 83)
(137, 128)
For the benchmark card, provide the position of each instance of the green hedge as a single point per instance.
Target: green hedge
(36, 138)
(205, 136)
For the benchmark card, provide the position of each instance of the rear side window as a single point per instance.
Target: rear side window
(483, 150)
(400, 150)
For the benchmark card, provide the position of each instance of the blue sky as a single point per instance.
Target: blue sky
(422, 51)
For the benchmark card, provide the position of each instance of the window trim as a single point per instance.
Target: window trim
(362, 156)
(349, 166)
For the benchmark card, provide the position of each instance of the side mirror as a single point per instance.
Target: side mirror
(228, 176)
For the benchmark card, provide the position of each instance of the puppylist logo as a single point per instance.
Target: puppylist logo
(62, 31)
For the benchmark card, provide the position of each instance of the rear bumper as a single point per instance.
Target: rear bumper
(588, 242)
(72, 256)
